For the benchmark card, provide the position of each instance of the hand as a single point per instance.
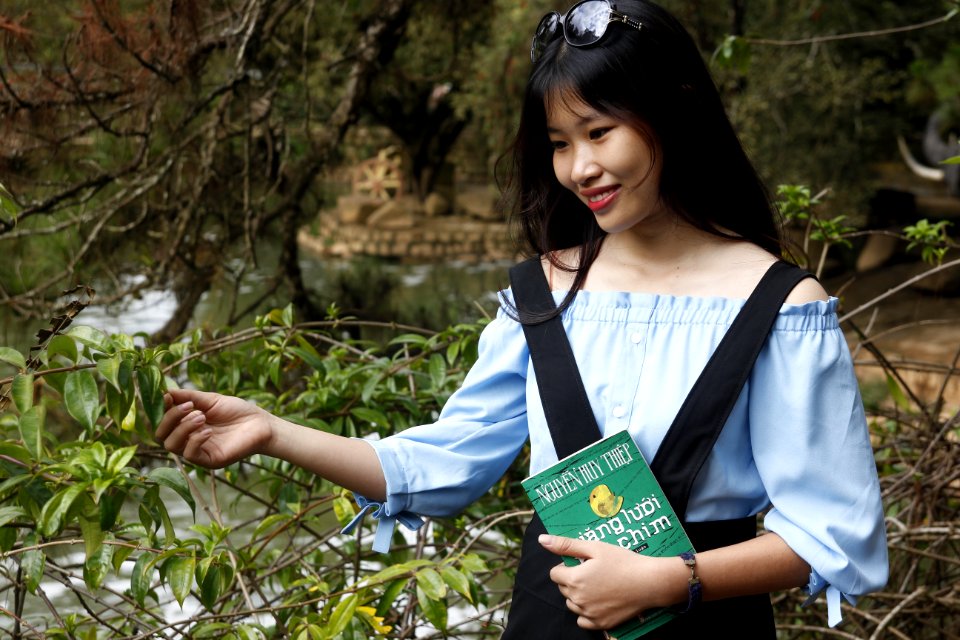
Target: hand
(210, 429)
(611, 584)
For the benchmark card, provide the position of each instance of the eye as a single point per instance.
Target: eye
(558, 145)
(596, 134)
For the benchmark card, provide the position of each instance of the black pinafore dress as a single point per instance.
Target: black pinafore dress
(538, 609)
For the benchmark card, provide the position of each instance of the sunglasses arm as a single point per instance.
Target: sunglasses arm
(616, 16)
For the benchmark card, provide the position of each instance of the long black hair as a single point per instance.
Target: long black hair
(654, 78)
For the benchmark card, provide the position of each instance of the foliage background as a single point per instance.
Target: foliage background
(159, 145)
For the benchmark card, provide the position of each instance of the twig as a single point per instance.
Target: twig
(849, 36)
(899, 287)
(897, 609)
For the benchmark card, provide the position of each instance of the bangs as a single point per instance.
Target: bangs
(572, 77)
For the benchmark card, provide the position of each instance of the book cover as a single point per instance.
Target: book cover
(607, 492)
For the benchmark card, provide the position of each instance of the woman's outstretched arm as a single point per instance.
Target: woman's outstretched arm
(214, 430)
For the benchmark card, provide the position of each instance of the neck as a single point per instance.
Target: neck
(667, 244)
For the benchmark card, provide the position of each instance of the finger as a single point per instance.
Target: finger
(566, 546)
(202, 399)
(193, 450)
(177, 440)
(574, 607)
(560, 575)
(586, 623)
(172, 417)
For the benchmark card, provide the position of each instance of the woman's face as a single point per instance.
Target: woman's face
(606, 162)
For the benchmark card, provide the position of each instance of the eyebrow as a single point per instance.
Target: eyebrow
(581, 121)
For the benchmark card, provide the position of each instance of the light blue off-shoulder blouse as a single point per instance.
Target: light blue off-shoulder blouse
(796, 441)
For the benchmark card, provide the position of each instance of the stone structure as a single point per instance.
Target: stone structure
(378, 219)
(404, 228)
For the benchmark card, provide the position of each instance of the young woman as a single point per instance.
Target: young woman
(653, 228)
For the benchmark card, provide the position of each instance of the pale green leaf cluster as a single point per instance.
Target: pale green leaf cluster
(80, 468)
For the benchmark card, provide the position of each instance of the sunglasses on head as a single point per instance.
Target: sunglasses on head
(582, 25)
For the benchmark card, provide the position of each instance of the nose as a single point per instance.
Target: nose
(585, 167)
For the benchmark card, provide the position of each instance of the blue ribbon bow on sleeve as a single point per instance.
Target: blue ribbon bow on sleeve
(386, 524)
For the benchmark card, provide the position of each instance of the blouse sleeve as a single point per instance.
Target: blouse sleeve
(813, 452)
(438, 469)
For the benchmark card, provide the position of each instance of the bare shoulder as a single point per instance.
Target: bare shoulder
(755, 261)
(808, 290)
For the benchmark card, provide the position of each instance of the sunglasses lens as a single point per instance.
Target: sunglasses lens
(586, 23)
(546, 31)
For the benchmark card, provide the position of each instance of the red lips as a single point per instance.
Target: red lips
(604, 202)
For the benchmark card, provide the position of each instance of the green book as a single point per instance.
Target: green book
(607, 492)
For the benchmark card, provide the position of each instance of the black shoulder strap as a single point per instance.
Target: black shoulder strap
(706, 408)
(704, 412)
(565, 403)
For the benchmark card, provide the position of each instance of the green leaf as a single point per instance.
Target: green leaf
(954, 159)
(8, 538)
(267, 523)
(173, 479)
(56, 381)
(179, 572)
(9, 514)
(8, 485)
(203, 567)
(95, 569)
(395, 570)
(120, 398)
(431, 583)
(434, 610)
(52, 515)
(8, 204)
(120, 458)
(246, 632)
(32, 563)
(99, 486)
(473, 563)
(93, 338)
(211, 587)
(308, 353)
(373, 416)
(456, 581)
(344, 510)
(140, 576)
(370, 387)
(61, 345)
(22, 391)
(390, 594)
(438, 370)
(897, 393)
(109, 368)
(150, 380)
(169, 532)
(120, 555)
(110, 504)
(210, 630)
(409, 338)
(15, 451)
(452, 351)
(342, 615)
(92, 534)
(31, 430)
(14, 357)
(82, 398)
